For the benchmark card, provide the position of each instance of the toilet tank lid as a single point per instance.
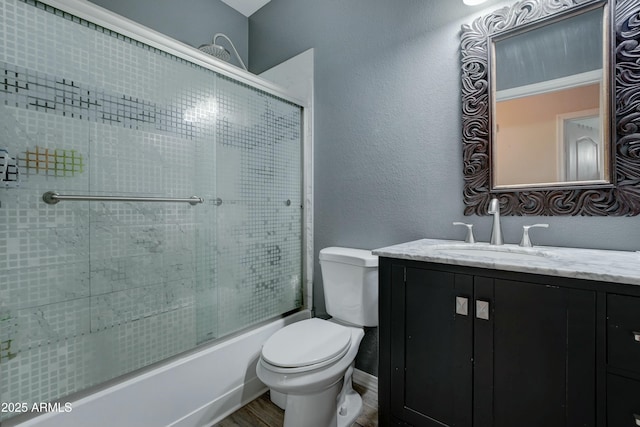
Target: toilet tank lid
(359, 257)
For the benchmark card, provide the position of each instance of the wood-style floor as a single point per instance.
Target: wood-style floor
(262, 413)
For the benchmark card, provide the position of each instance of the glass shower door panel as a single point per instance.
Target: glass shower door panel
(151, 263)
(44, 261)
(206, 288)
(259, 223)
(44, 250)
(93, 290)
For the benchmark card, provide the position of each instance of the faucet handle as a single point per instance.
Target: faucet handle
(469, 238)
(526, 242)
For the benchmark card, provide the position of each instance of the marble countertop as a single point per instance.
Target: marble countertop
(590, 264)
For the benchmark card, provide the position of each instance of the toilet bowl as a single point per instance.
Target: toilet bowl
(309, 365)
(310, 383)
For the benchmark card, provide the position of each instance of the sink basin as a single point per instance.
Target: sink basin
(485, 251)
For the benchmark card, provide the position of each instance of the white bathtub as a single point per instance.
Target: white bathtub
(195, 391)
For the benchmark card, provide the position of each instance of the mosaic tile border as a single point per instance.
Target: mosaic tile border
(24, 88)
(101, 29)
(88, 24)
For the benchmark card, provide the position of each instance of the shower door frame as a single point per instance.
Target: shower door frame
(119, 24)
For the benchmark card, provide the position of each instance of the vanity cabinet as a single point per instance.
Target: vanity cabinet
(467, 346)
(623, 360)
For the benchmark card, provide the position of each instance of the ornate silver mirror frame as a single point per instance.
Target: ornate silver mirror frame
(622, 196)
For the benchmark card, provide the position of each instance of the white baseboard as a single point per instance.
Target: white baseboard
(365, 380)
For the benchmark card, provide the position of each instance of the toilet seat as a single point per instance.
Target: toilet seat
(306, 345)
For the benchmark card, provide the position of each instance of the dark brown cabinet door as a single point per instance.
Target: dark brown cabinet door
(535, 356)
(623, 401)
(516, 354)
(623, 358)
(623, 327)
(431, 349)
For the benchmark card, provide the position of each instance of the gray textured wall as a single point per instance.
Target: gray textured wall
(193, 22)
(388, 153)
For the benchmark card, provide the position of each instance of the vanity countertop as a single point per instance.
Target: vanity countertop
(590, 264)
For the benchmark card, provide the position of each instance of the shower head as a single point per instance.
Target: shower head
(220, 52)
(216, 50)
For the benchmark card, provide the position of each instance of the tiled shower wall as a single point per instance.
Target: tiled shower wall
(92, 290)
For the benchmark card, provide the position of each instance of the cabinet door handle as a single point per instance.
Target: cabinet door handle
(636, 336)
(482, 309)
(462, 306)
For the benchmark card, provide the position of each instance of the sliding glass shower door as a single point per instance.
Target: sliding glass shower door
(91, 290)
(260, 195)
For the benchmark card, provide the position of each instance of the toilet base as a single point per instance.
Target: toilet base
(353, 403)
(313, 410)
(349, 401)
(339, 405)
(320, 410)
(279, 399)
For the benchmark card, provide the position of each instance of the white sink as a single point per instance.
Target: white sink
(486, 251)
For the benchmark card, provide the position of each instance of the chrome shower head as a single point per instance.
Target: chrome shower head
(216, 50)
(220, 52)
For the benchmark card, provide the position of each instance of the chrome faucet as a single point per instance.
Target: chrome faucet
(526, 241)
(496, 231)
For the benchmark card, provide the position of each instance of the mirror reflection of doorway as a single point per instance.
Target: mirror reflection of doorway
(581, 147)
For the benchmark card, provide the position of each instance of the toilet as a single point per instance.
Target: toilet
(308, 365)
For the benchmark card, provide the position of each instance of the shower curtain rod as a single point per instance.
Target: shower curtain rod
(51, 198)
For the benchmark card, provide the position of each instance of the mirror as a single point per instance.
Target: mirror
(539, 127)
(550, 103)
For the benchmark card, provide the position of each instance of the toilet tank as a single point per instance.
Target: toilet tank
(350, 282)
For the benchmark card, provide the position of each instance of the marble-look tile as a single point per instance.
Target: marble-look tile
(119, 308)
(44, 373)
(39, 286)
(590, 264)
(126, 272)
(38, 247)
(52, 323)
(139, 343)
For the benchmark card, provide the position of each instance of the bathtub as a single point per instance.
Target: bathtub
(194, 391)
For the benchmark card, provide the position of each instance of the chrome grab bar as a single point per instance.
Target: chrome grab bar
(51, 198)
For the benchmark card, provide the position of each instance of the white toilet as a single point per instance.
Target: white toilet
(308, 365)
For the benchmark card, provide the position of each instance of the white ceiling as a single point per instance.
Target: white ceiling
(246, 7)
